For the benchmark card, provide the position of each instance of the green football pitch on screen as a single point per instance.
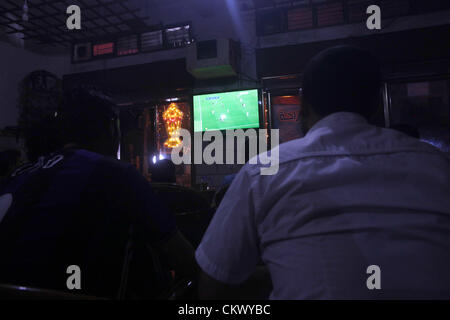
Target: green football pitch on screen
(226, 111)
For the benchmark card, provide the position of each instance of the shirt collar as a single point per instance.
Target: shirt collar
(336, 120)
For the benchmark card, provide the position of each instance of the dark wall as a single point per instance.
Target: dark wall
(155, 80)
(398, 52)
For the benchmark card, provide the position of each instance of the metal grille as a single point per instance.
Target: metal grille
(127, 45)
(152, 40)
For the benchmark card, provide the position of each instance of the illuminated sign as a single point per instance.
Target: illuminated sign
(173, 118)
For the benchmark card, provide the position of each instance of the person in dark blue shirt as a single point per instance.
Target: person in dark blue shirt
(81, 207)
(9, 160)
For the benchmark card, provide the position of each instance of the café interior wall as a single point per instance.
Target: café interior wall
(207, 22)
(356, 30)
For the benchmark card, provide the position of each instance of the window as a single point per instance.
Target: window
(300, 18)
(270, 22)
(152, 40)
(82, 52)
(178, 36)
(357, 10)
(394, 8)
(164, 38)
(330, 14)
(424, 106)
(127, 45)
(421, 6)
(279, 16)
(102, 49)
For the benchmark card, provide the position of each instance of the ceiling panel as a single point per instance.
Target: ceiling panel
(46, 21)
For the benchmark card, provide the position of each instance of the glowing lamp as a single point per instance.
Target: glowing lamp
(173, 118)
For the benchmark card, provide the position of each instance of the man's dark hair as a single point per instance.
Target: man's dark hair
(342, 78)
(8, 159)
(42, 137)
(163, 171)
(407, 129)
(87, 117)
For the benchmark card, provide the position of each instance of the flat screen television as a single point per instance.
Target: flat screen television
(226, 111)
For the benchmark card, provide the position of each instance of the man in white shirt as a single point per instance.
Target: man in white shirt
(355, 211)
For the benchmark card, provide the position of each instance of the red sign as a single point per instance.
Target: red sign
(289, 116)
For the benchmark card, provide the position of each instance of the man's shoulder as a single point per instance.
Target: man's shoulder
(108, 162)
(362, 140)
(280, 155)
(102, 166)
(102, 175)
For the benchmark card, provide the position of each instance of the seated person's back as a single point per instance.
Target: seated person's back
(77, 208)
(83, 208)
(347, 197)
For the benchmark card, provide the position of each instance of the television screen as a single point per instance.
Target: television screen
(226, 111)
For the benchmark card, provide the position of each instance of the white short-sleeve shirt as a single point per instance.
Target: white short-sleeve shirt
(347, 196)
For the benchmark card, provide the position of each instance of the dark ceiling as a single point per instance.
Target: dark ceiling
(46, 23)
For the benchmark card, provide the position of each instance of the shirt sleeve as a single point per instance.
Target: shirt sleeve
(229, 250)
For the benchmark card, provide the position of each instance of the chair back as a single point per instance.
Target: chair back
(12, 292)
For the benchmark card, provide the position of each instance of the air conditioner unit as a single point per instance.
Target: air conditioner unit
(82, 51)
(218, 58)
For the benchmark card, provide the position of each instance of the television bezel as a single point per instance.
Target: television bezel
(260, 109)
